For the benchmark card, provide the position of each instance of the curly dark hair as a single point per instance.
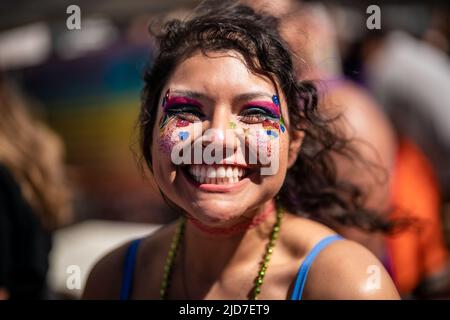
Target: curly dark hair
(311, 187)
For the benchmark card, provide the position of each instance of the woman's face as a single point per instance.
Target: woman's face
(231, 127)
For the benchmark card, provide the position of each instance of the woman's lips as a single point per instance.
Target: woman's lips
(216, 178)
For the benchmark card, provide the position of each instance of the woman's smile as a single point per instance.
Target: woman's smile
(217, 178)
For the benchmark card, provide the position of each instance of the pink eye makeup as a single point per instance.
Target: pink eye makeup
(266, 106)
(267, 113)
(176, 102)
(185, 109)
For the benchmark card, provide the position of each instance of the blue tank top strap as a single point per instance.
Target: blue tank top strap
(128, 270)
(306, 265)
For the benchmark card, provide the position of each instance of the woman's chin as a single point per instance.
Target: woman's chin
(216, 218)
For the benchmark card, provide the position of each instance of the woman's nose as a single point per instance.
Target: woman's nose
(219, 132)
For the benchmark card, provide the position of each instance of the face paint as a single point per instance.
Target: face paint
(276, 101)
(165, 118)
(179, 101)
(182, 123)
(183, 135)
(163, 121)
(165, 98)
(232, 125)
(268, 124)
(271, 109)
(263, 143)
(266, 119)
(167, 128)
(166, 141)
(272, 133)
(179, 105)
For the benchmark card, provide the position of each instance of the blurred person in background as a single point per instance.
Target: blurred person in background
(410, 78)
(34, 197)
(403, 187)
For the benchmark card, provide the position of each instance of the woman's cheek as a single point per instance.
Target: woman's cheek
(266, 138)
(172, 132)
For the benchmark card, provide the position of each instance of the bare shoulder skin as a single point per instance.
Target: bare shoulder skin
(347, 270)
(343, 270)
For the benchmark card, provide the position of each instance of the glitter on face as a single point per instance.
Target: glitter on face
(167, 127)
(171, 125)
(268, 124)
(166, 142)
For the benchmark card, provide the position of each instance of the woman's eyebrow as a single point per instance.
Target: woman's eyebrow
(240, 97)
(191, 94)
(253, 95)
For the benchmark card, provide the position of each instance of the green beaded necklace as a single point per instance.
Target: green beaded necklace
(176, 240)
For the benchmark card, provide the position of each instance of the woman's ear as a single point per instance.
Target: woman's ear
(295, 144)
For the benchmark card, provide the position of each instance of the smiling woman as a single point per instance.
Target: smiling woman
(224, 82)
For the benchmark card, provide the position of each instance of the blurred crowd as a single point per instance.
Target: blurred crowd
(68, 112)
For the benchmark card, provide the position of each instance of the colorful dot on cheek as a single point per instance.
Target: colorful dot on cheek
(272, 133)
(182, 123)
(183, 135)
(232, 125)
(267, 124)
(283, 129)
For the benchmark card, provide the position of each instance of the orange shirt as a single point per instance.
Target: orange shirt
(417, 251)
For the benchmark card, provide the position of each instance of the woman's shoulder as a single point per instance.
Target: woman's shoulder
(105, 278)
(347, 270)
(341, 270)
(300, 234)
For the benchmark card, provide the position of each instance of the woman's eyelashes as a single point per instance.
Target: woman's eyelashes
(183, 108)
(189, 110)
(257, 114)
(185, 112)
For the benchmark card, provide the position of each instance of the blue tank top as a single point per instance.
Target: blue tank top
(130, 262)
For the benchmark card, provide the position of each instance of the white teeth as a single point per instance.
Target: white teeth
(211, 172)
(202, 171)
(221, 172)
(216, 175)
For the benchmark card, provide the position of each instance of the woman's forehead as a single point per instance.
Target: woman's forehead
(219, 74)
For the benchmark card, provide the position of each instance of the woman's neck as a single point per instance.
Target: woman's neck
(208, 254)
(257, 216)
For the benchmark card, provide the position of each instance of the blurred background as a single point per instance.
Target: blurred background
(84, 84)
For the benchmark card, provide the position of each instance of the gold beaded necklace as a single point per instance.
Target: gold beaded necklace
(176, 240)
